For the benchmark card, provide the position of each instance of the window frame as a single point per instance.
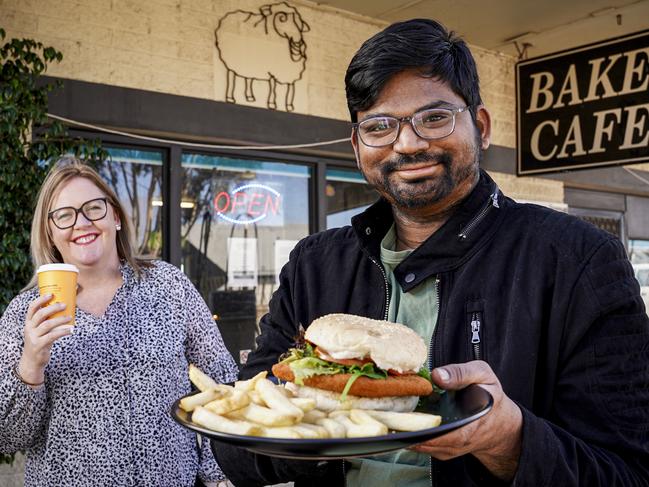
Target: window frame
(172, 173)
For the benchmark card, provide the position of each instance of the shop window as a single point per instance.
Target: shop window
(136, 176)
(611, 225)
(639, 252)
(639, 255)
(347, 195)
(239, 221)
(609, 221)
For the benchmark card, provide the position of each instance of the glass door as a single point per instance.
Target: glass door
(347, 194)
(136, 176)
(240, 218)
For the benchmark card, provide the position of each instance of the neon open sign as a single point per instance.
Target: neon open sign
(247, 204)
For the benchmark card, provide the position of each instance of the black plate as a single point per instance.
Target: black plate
(456, 408)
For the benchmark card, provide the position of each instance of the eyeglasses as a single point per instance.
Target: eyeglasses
(66, 217)
(432, 123)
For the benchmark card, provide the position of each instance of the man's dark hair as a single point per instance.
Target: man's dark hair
(414, 44)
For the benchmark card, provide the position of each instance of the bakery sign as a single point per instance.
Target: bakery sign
(585, 107)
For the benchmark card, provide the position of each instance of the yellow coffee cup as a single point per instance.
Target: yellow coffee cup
(59, 280)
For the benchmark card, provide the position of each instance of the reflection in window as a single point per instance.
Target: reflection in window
(347, 195)
(611, 225)
(639, 251)
(240, 219)
(136, 176)
(639, 255)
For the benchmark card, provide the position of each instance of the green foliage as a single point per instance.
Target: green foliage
(28, 142)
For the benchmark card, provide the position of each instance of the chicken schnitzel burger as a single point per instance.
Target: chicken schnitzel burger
(349, 361)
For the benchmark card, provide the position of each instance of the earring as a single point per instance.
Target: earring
(118, 227)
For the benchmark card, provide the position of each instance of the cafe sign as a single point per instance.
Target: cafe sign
(583, 108)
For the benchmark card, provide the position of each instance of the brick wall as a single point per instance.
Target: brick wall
(13, 475)
(169, 46)
(498, 89)
(529, 188)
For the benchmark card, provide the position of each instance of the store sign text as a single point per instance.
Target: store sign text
(586, 107)
(248, 204)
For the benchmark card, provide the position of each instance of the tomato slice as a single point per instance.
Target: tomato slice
(396, 373)
(347, 362)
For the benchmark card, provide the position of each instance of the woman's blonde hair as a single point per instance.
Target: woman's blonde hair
(42, 247)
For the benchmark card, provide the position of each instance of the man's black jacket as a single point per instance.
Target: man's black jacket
(562, 325)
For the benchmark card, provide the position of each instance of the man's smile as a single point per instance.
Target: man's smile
(419, 171)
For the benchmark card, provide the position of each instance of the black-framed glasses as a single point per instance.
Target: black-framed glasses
(66, 217)
(432, 123)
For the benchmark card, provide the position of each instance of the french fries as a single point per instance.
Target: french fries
(264, 416)
(281, 432)
(363, 425)
(256, 398)
(311, 431)
(190, 403)
(232, 402)
(249, 385)
(333, 427)
(313, 416)
(277, 400)
(201, 380)
(216, 422)
(306, 404)
(406, 421)
(361, 418)
(258, 407)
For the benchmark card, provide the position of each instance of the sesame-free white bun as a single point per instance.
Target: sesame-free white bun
(330, 401)
(389, 345)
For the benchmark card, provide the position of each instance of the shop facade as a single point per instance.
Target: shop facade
(210, 124)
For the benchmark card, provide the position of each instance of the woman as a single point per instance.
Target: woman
(90, 403)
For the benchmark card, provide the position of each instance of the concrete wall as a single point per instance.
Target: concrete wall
(13, 475)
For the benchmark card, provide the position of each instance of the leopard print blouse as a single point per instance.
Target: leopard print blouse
(102, 418)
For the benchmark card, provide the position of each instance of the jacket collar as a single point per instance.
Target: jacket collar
(472, 223)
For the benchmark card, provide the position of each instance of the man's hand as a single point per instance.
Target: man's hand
(495, 438)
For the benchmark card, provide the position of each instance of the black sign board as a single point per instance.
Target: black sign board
(584, 107)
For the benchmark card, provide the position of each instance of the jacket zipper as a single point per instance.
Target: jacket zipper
(475, 322)
(492, 203)
(385, 317)
(430, 357)
(387, 288)
(475, 336)
(432, 340)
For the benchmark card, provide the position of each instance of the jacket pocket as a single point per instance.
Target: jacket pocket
(476, 330)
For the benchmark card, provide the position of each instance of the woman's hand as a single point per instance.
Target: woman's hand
(40, 333)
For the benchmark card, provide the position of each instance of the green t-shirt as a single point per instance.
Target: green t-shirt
(418, 310)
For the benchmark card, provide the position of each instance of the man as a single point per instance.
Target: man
(538, 307)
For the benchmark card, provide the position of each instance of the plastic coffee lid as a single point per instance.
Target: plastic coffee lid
(58, 267)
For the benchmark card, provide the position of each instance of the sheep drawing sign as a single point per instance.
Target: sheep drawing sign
(266, 46)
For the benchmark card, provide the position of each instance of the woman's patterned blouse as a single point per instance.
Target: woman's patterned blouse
(102, 418)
